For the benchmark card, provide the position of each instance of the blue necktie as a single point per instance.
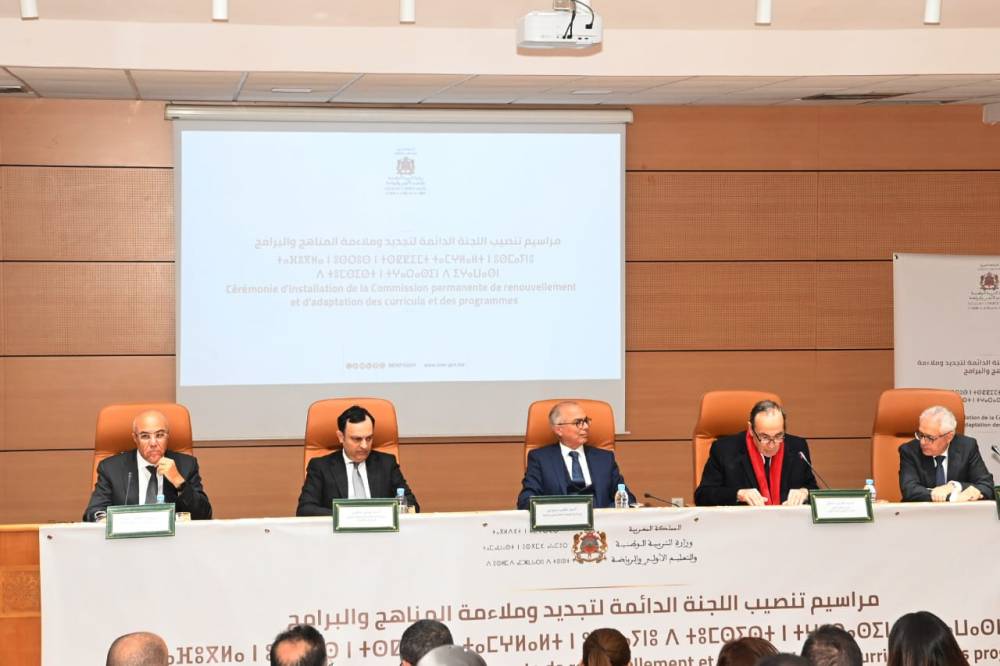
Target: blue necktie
(939, 478)
(576, 476)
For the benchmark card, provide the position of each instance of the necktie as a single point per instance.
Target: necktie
(767, 469)
(576, 475)
(939, 478)
(359, 484)
(152, 488)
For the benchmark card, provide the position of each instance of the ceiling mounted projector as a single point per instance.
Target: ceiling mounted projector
(559, 30)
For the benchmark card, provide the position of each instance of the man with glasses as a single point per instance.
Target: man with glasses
(568, 467)
(140, 476)
(760, 466)
(939, 465)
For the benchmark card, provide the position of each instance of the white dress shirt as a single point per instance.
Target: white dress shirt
(569, 462)
(144, 477)
(350, 476)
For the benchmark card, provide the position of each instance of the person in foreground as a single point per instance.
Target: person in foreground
(420, 638)
(139, 649)
(922, 639)
(745, 651)
(762, 465)
(137, 477)
(354, 472)
(301, 645)
(451, 655)
(830, 645)
(606, 647)
(569, 467)
(939, 465)
(784, 659)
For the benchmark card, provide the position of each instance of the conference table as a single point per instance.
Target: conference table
(679, 582)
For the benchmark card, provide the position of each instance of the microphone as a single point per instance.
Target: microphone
(995, 450)
(128, 486)
(660, 499)
(806, 461)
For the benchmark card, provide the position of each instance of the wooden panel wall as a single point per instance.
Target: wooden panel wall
(759, 246)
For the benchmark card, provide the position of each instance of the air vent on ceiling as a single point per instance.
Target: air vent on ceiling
(851, 97)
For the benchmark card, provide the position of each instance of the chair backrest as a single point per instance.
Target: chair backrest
(897, 417)
(722, 413)
(321, 426)
(539, 431)
(114, 429)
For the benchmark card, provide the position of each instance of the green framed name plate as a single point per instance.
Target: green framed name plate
(841, 506)
(557, 513)
(134, 521)
(365, 515)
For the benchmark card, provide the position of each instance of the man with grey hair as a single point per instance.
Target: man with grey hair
(939, 465)
(139, 649)
(568, 467)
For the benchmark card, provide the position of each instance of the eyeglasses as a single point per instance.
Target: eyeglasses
(769, 439)
(930, 439)
(150, 436)
(579, 423)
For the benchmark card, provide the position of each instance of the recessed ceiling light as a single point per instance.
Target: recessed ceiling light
(292, 91)
(593, 91)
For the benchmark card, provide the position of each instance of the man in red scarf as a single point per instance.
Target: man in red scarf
(760, 466)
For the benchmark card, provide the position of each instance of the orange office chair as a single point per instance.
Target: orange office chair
(114, 429)
(321, 426)
(896, 419)
(539, 431)
(722, 413)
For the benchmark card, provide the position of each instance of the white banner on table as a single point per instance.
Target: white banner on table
(947, 330)
(677, 582)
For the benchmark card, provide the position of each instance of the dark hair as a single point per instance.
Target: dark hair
(922, 639)
(783, 659)
(765, 406)
(421, 637)
(606, 647)
(744, 651)
(830, 645)
(353, 414)
(301, 633)
(138, 649)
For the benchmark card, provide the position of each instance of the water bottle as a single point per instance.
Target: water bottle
(159, 499)
(401, 500)
(621, 497)
(870, 487)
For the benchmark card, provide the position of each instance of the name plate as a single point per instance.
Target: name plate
(140, 520)
(365, 515)
(556, 513)
(841, 506)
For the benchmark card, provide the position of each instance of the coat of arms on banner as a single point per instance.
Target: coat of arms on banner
(405, 166)
(989, 281)
(590, 546)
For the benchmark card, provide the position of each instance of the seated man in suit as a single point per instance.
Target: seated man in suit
(354, 472)
(940, 465)
(137, 477)
(762, 465)
(559, 469)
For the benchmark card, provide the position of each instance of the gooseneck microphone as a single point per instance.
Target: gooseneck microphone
(806, 461)
(995, 450)
(128, 486)
(660, 499)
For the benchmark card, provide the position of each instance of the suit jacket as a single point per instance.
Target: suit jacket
(729, 470)
(547, 475)
(118, 483)
(326, 480)
(965, 465)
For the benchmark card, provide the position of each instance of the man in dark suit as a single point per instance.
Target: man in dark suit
(559, 469)
(137, 477)
(355, 472)
(762, 465)
(940, 465)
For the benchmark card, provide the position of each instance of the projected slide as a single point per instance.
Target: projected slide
(370, 259)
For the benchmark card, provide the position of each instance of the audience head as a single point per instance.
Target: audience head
(922, 639)
(744, 652)
(767, 425)
(356, 432)
(301, 645)
(570, 423)
(832, 646)
(139, 649)
(783, 659)
(936, 430)
(451, 655)
(420, 638)
(606, 647)
(150, 433)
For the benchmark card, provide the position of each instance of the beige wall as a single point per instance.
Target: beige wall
(759, 248)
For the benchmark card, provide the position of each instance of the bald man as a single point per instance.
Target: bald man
(138, 649)
(139, 475)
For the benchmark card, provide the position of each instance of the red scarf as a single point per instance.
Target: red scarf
(771, 491)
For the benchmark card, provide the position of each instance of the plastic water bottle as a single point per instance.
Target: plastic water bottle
(870, 487)
(159, 499)
(621, 497)
(401, 500)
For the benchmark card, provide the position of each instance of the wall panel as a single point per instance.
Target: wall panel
(44, 486)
